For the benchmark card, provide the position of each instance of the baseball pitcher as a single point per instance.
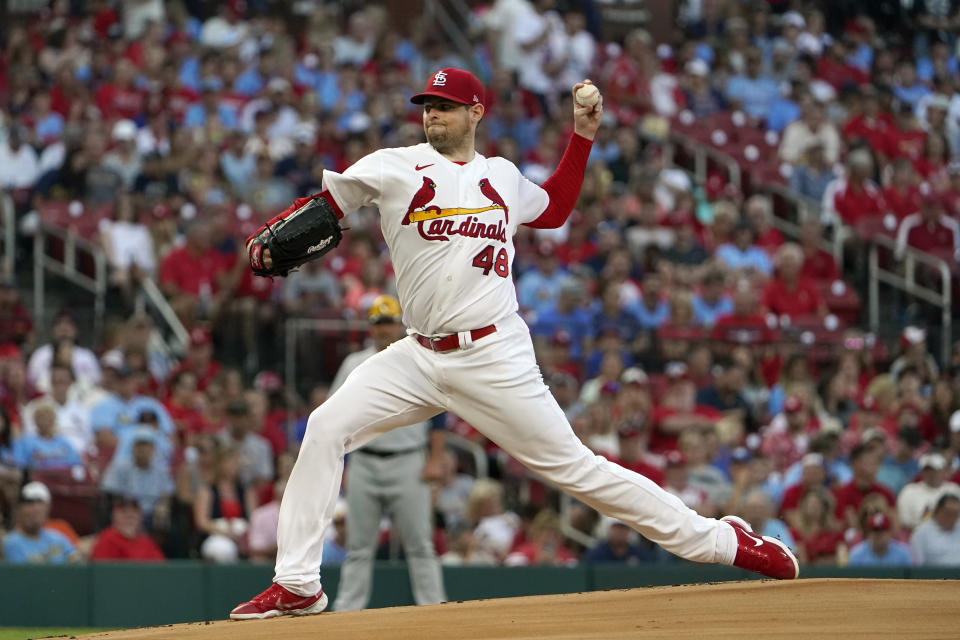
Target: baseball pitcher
(449, 215)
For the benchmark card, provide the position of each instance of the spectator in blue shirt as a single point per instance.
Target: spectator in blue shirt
(900, 467)
(880, 549)
(121, 409)
(210, 106)
(567, 314)
(609, 314)
(45, 450)
(907, 88)
(651, 310)
(617, 548)
(742, 255)
(143, 477)
(939, 62)
(758, 510)
(811, 177)
(538, 288)
(711, 302)
(754, 92)
(29, 542)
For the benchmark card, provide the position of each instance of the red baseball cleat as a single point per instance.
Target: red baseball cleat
(277, 601)
(762, 554)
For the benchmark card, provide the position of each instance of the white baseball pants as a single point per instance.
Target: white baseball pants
(496, 386)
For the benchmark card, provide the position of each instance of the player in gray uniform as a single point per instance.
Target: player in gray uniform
(389, 476)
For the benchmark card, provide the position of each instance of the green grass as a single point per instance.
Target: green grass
(25, 633)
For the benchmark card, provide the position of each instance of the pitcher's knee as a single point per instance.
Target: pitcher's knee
(323, 429)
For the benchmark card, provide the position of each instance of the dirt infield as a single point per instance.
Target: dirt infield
(820, 608)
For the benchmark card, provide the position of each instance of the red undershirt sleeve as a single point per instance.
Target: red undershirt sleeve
(563, 187)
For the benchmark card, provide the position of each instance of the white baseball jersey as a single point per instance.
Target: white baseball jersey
(449, 228)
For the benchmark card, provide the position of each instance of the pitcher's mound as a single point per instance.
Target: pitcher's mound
(804, 608)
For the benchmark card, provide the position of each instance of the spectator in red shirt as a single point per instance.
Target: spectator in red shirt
(746, 325)
(929, 231)
(678, 411)
(815, 530)
(124, 539)
(906, 140)
(864, 462)
(855, 196)
(188, 275)
(633, 452)
(789, 293)
(628, 78)
(199, 359)
(903, 195)
(818, 264)
(813, 476)
(545, 545)
(119, 98)
(932, 165)
(872, 124)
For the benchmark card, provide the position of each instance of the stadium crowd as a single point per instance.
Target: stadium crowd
(676, 325)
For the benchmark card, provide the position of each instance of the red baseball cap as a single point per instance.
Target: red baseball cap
(452, 84)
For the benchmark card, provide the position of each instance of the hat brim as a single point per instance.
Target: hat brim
(420, 97)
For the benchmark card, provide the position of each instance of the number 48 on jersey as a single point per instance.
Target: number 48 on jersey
(485, 260)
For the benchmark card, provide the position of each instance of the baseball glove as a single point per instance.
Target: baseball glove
(308, 233)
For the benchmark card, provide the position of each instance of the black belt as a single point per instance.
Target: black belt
(388, 454)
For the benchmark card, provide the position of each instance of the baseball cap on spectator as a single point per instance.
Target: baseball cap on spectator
(211, 83)
(124, 130)
(610, 389)
(561, 338)
(698, 67)
(144, 434)
(268, 381)
(676, 371)
(112, 359)
(910, 435)
(939, 101)
(868, 404)
(792, 404)
(452, 84)
(123, 500)
(794, 19)
(675, 459)
(635, 375)
(546, 249)
(238, 408)
(630, 429)
(35, 492)
(872, 434)
(912, 335)
(736, 23)
(199, 337)
(812, 460)
(384, 309)
(878, 522)
(278, 84)
(955, 422)
(933, 461)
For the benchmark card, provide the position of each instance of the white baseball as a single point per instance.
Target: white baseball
(588, 95)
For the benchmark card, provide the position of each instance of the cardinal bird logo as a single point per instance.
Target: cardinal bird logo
(487, 189)
(424, 195)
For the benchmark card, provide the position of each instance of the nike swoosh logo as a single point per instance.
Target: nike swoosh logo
(419, 167)
(756, 541)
